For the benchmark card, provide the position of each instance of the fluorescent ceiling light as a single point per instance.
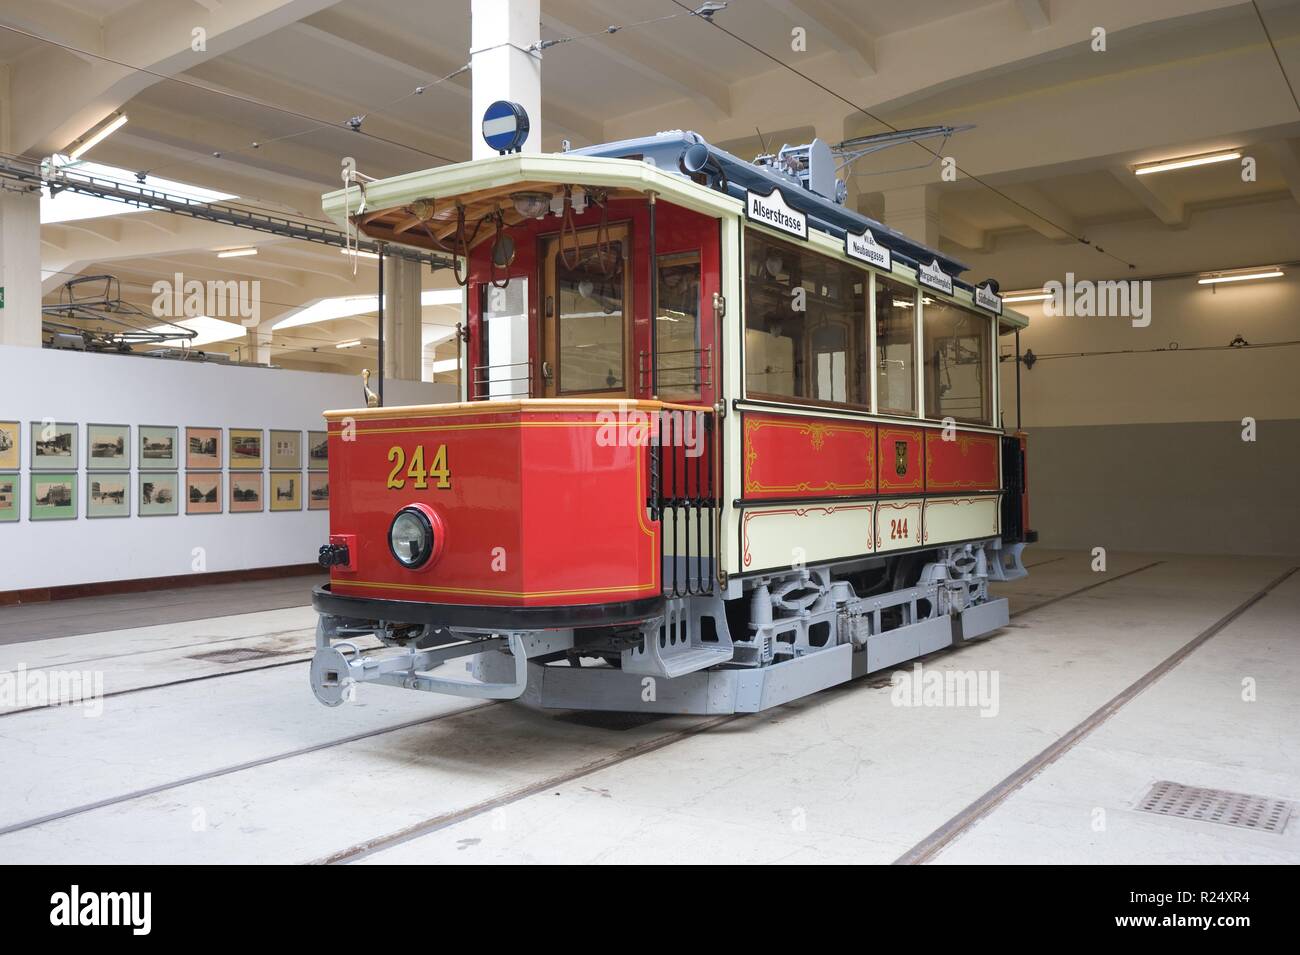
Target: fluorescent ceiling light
(360, 253)
(70, 206)
(92, 139)
(444, 365)
(1027, 296)
(352, 344)
(235, 253)
(346, 306)
(210, 330)
(1241, 276)
(1186, 162)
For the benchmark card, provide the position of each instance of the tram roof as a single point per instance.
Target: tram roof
(664, 150)
(627, 168)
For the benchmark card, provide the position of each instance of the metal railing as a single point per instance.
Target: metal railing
(684, 370)
(684, 499)
(483, 380)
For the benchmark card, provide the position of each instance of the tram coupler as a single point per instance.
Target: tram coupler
(340, 664)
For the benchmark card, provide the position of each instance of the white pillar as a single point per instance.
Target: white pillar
(914, 211)
(20, 268)
(403, 320)
(259, 341)
(501, 32)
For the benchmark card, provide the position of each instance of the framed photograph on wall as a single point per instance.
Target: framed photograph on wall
(245, 449)
(318, 492)
(157, 445)
(286, 490)
(286, 450)
(54, 446)
(54, 496)
(245, 493)
(108, 494)
(318, 451)
(202, 492)
(10, 485)
(202, 448)
(9, 445)
(108, 448)
(159, 494)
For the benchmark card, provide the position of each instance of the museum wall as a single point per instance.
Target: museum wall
(38, 384)
(1149, 445)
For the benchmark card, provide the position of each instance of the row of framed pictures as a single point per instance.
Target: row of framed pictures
(53, 495)
(54, 448)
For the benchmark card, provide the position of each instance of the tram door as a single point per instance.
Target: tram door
(586, 306)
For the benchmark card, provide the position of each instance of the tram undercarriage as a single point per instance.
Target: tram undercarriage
(788, 635)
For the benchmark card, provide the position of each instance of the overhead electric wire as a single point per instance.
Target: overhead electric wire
(259, 144)
(541, 45)
(1083, 240)
(1171, 348)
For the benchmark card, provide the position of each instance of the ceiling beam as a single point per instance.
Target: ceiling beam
(854, 46)
(1034, 209)
(635, 52)
(1287, 153)
(1035, 13)
(965, 233)
(59, 95)
(1171, 212)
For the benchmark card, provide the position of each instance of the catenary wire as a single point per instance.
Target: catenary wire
(1083, 240)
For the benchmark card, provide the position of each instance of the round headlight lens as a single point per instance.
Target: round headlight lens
(410, 537)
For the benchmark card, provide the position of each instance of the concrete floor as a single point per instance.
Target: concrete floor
(222, 760)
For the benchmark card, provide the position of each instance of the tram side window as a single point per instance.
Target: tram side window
(679, 360)
(505, 372)
(804, 319)
(957, 348)
(895, 347)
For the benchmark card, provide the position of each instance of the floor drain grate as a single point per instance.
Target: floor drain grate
(237, 655)
(1216, 805)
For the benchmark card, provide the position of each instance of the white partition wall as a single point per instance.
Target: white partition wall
(38, 384)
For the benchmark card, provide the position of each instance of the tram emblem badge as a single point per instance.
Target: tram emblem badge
(900, 458)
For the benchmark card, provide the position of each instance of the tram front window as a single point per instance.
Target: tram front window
(585, 314)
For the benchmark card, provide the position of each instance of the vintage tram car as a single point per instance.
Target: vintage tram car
(722, 442)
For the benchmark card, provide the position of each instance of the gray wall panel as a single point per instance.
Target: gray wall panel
(1187, 488)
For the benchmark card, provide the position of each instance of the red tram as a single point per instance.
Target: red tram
(722, 442)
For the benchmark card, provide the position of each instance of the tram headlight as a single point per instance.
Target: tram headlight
(410, 537)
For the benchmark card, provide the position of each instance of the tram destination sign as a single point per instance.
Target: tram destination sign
(985, 297)
(863, 246)
(772, 210)
(935, 277)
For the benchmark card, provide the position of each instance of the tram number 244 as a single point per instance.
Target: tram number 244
(416, 469)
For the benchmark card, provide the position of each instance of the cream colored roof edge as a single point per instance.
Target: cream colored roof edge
(558, 168)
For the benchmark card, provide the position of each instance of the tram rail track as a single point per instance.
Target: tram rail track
(952, 829)
(442, 820)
